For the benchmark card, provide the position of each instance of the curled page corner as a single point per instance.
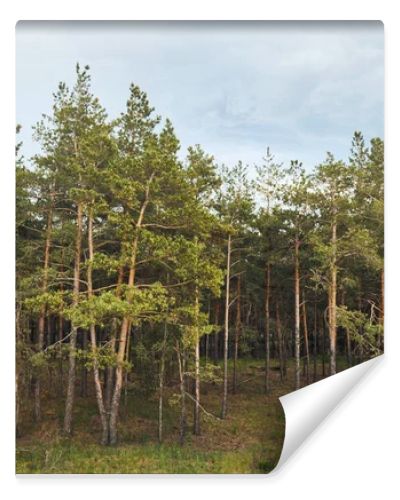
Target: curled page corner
(308, 407)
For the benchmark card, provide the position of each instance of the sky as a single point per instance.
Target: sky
(301, 88)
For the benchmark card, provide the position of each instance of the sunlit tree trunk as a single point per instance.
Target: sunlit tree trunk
(216, 334)
(196, 423)
(182, 371)
(237, 334)
(93, 339)
(121, 353)
(113, 337)
(74, 330)
(42, 317)
(297, 312)
(306, 345)
(333, 298)
(226, 332)
(315, 346)
(161, 386)
(280, 340)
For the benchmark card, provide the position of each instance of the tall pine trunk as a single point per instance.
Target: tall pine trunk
(110, 372)
(182, 371)
(74, 330)
(267, 327)
(93, 339)
(306, 345)
(333, 298)
(224, 408)
(280, 340)
(297, 312)
(237, 334)
(124, 331)
(161, 386)
(196, 422)
(42, 317)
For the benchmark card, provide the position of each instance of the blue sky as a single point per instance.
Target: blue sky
(235, 88)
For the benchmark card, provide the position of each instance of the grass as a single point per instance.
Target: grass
(248, 441)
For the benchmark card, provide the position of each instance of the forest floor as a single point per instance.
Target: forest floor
(249, 440)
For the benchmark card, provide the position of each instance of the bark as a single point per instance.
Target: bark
(237, 334)
(161, 386)
(119, 371)
(182, 370)
(297, 312)
(306, 346)
(315, 350)
(216, 334)
(226, 332)
(196, 423)
(74, 330)
(382, 310)
(42, 317)
(280, 341)
(333, 299)
(84, 377)
(267, 327)
(93, 340)
(113, 337)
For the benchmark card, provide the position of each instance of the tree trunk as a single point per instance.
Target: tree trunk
(332, 299)
(119, 371)
(84, 369)
(110, 372)
(74, 330)
(306, 346)
(237, 335)
(280, 340)
(297, 312)
(382, 311)
(315, 350)
(216, 334)
(196, 423)
(42, 317)
(161, 386)
(226, 332)
(182, 370)
(267, 328)
(93, 339)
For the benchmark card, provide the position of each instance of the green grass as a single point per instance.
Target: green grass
(64, 458)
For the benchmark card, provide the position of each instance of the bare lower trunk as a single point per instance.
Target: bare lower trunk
(93, 340)
(216, 334)
(42, 317)
(315, 331)
(74, 330)
(297, 312)
(237, 335)
(332, 301)
(306, 346)
(110, 372)
(196, 424)
(280, 341)
(161, 387)
(182, 370)
(267, 328)
(84, 376)
(226, 332)
(382, 311)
